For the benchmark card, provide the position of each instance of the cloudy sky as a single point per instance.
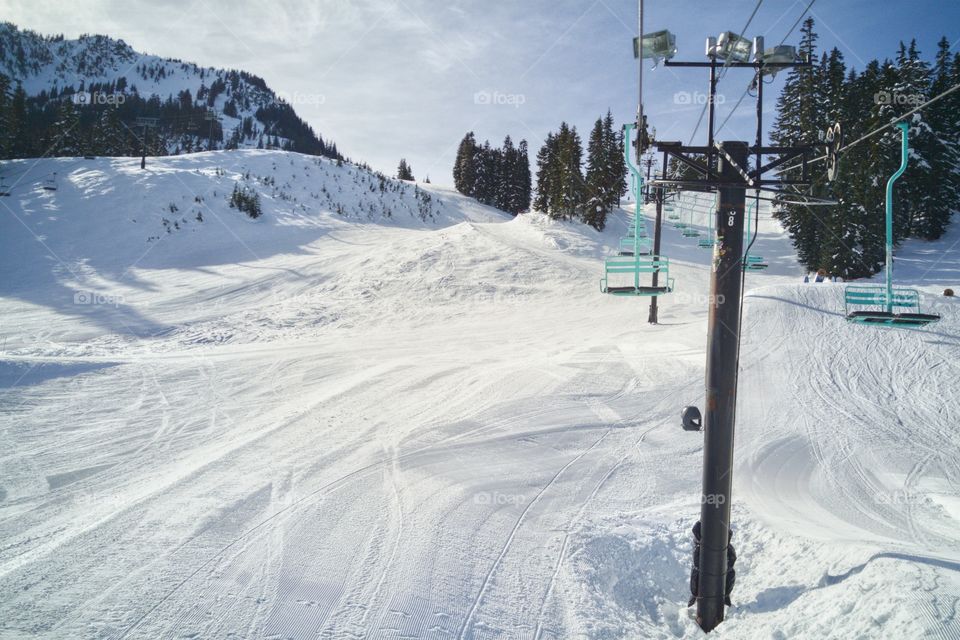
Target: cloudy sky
(387, 79)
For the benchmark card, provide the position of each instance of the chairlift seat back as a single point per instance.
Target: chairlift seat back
(876, 296)
(626, 272)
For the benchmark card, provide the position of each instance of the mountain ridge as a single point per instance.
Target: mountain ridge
(200, 108)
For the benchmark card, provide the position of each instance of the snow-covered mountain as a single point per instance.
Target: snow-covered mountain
(98, 72)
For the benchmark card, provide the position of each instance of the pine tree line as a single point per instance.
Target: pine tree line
(848, 239)
(564, 191)
(497, 177)
(62, 123)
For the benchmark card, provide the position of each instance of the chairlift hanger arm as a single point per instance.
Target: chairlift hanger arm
(785, 158)
(775, 150)
(786, 155)
(813, 202)
(710, 186)
(676, 150)
(680, 147)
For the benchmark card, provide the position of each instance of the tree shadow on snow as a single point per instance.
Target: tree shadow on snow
(61, 252)
(17, 374)
(799, 304)
(829, 580)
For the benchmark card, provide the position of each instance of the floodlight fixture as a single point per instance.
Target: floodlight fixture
(781, 54)
(659, 45)
(730, 46)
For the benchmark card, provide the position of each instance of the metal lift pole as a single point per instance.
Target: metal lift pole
(143, 149)
(211, 116)
(721, 392)
(760, 47)
(646, 186)
(641, 129)
(711, 105)
(657, 232)
(146, 123)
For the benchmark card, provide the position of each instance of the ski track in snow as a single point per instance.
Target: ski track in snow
(378, 427)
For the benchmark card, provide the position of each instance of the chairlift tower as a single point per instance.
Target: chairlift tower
(726, 170)
(660, 195)
(210, 116)
(145, 123)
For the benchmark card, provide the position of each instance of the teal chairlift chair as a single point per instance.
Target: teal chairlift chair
(886, 305)
(622, 273)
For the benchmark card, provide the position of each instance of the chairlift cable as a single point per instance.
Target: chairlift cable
(747, 90)
(798, 21)
(892, 123)
(723, 71)
(37, 179)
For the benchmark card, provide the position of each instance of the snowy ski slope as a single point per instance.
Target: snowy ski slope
(354, 425)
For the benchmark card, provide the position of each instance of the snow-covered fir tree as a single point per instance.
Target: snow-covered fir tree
(496, 176)
(404, 172)
(848, 239)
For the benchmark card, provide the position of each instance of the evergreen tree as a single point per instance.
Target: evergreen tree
(798, 122)
(506, 174)
(568, 187)
(6, 139)
(916, 193)
(487, 174)
(545, 174)
(605, 181)
(498, 177)
(598, 178)
(616, 161)
(246, 200)
(521, 183)
(465, 165)
(943, 152)
(849, 239)
(20, 145)
(952, 128)
(854, 244)
(404, 172)
(836, 237)
(65, 135)
(111, 137)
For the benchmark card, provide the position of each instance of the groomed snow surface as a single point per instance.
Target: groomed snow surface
(351, 422)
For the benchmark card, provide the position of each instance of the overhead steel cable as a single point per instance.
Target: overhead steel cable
(726, 65)
(867, 136)
(747, 90)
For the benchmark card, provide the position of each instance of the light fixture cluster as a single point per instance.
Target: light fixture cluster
(728, 46)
